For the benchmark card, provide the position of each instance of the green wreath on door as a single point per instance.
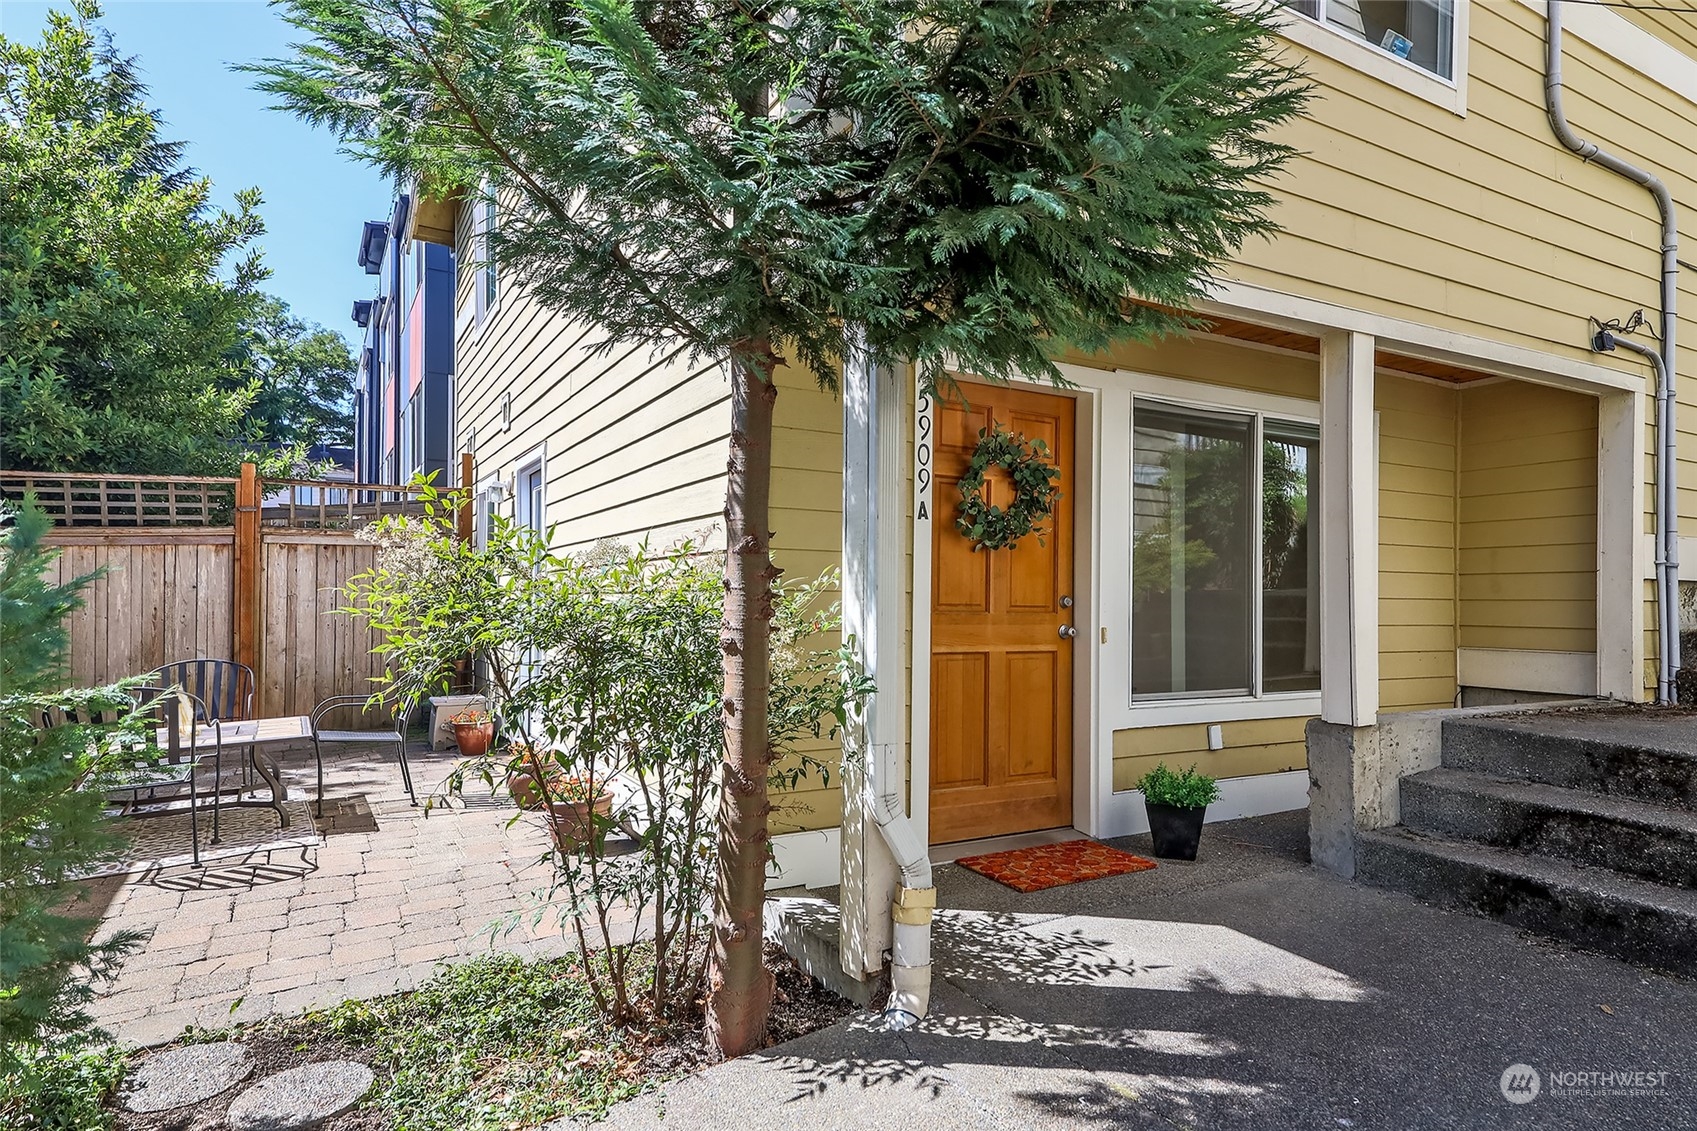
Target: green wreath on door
(1035, 491)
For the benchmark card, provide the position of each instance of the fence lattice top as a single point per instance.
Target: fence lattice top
(178, 501)
(115, 500)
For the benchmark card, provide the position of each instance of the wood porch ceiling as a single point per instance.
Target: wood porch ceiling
(1306, 343)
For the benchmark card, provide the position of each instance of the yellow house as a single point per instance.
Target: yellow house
(1394, 474)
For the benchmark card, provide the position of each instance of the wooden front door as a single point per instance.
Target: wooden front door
(1001, 670)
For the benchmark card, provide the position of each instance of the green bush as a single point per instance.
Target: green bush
(59, 1088)
(604, 669)
(1189, 790)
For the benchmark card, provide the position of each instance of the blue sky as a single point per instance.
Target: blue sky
(315, 198)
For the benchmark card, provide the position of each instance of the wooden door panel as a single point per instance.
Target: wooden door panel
(960, 579)
(1001, 673)
(1033, 741)
(958, 425)
(960, 684)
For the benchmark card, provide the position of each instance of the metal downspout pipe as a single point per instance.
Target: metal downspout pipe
(1664, 361)
(874, 469)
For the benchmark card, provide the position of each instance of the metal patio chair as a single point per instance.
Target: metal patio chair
(395, 730)
(223, 687)
(224, 690)
(181, 758)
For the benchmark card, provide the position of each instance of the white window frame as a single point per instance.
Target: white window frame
(412, 434)
(535, 462)
(488, 504)
(1198, 707)
(1316, 35)
(485, 278)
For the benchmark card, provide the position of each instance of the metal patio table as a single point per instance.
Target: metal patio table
(256, 735)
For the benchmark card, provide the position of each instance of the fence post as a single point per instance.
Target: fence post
(246, 573)
(467, 516)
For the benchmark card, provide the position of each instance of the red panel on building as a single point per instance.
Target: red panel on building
(388, 443)
(413, 330)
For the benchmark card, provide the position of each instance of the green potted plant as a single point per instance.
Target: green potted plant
(1177, 803)
(474, 730)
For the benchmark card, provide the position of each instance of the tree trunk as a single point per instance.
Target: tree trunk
(739, 988)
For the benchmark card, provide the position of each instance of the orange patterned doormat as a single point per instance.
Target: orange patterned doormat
(1055, 865)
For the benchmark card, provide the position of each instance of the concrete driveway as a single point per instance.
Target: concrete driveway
(1244, 991)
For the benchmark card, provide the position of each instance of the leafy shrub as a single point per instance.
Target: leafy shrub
(604, 671)
(1187, 790)
(64, 1087)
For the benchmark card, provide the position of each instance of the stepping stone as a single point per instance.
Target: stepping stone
(301, 1097)
(182, 1076)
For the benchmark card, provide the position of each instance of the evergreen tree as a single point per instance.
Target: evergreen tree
(982, 181)
(52, 823)
(123, 294)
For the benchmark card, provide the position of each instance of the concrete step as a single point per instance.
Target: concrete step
(1591, 907)
(1644, 755)
(807, 928)
(1653, 842)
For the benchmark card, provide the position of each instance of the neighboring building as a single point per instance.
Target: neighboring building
(1400, 385)
(403, 404)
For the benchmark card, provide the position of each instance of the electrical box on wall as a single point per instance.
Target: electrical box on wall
(1216, 737)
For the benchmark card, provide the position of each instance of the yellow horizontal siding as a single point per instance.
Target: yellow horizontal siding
(1253, 746)
(634, 437)
(1212, 362)
(1484, 223)
(1528, 510)
(807, 529)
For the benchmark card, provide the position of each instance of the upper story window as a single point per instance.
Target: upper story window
(1420, 32)
(486, 282)
(409, 277)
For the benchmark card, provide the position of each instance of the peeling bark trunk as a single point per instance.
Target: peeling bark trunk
(739, 987)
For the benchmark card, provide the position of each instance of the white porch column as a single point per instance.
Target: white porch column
(1349, 532)
(1622, 563)
(874, 483)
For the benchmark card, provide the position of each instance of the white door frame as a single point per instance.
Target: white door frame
(1090, 774)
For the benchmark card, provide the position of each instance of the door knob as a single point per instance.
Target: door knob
(1068, 632)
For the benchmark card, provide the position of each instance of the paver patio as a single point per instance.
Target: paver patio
(386, 895)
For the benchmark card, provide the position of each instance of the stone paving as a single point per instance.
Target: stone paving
(387, 894)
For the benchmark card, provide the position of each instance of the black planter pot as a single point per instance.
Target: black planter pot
(1176, 831)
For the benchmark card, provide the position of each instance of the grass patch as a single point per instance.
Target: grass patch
(492, 1043)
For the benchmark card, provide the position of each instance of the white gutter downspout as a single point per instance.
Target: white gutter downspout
(1665, 363)
(875, 471)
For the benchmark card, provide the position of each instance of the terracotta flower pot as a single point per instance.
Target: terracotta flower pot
(526, 793)
(572, 826)
(474, 738)
(525, 774)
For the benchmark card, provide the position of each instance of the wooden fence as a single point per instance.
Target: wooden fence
(261, 587)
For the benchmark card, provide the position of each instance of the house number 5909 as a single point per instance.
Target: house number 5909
(922, 459)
